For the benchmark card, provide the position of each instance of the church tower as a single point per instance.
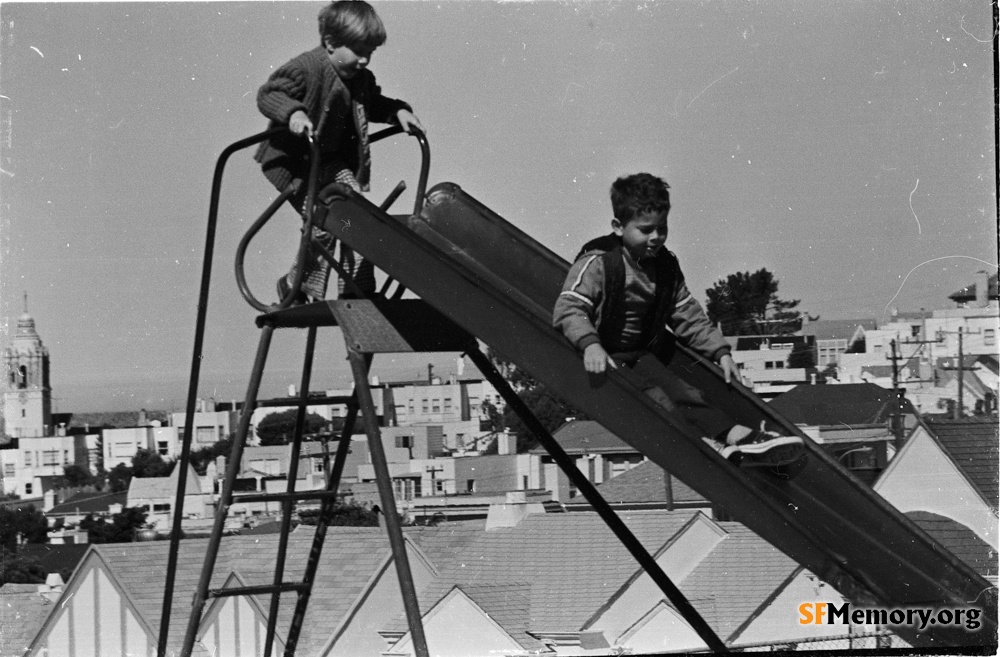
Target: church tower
(27, 396)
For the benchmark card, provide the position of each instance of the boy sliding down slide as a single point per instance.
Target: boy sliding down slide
(624, 303)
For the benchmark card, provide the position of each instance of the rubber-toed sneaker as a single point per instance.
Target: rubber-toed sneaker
(283, 290)
(767, 448)
(729, 452)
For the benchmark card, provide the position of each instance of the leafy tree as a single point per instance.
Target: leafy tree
(121, 529)
(77, 475)
(802, 356)
(551, 411)
(119, 478)
(200, 458)
(748, 304)
(279, 428)
(23, 524)
(148, 463)
(18, 569)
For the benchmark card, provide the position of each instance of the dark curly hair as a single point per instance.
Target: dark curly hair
(638, 194)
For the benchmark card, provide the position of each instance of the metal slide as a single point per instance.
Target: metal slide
(499, 284)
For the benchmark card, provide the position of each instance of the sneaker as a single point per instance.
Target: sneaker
(767, 448)
(729, 452)
(283, 290)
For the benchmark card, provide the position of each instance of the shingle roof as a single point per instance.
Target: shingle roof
(567, 565)
(848, 403)
(580, 436)
(164, 487)
(88, 503)
(22, 613)
(959, 540)
(974, 443)
(644, 484)
(737, 577)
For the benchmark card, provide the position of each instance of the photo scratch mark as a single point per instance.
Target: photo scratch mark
(926, 262)
(566, 94)
(117, 125)
(962, 25)
(698, 95)
(7, 173)
(882, 72)
(919, 232)
(609, 44)
(37, 50)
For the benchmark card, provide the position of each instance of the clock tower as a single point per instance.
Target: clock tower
(27, 397)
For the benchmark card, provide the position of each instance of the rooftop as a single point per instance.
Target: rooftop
(974, 443)
(848, 403)
(587, 436)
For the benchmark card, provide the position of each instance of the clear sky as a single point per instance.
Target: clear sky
(848, 147)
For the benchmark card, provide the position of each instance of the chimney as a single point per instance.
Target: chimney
(50, 500)
(291, 390)
(510, 513)
(982, 289)
(507, 443)
(52, 589)
(142, 417)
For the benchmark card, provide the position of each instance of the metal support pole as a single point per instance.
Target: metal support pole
(406, 587)
(628, 539)
(225, 499)
(293, 472)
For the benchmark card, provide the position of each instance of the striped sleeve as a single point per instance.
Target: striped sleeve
(576, 310)
(692, 326)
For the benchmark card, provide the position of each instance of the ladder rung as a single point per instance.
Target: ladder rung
(311, 401)
(284, 587)
(282, 497)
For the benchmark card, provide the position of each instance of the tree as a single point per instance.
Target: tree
(148, 463)
(279, 428)
(23, 524)
(200, 458)
(77, 475)
(18, 569)
(802, 356)
(551, 411)
(121, 529)
(748, 304)
(119, 478)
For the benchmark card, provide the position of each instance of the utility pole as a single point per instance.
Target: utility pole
(896, 420)
(961, 381)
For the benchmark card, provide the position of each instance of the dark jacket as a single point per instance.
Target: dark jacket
(339, 110)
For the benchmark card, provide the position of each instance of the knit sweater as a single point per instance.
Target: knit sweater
(583, 305)
(339, 110)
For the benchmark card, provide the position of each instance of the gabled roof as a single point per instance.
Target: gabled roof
(99, 502)
(646, 484)
(959, 540)
(22, 613)
(837, 329)
(737, 577)
(349, 559)
(568, 565)
(848, 403)
(973, 443)
(968, 293)
(587, 436)
(154, 488)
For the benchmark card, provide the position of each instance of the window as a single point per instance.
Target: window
(447, 404)
(161, 507)
(439, 485)
(470, 485)
(22, 381)
(524, 482)
(915, 331)
(50, 457)
(27, 459)
(404, 442)
(437, 406)
(989, 337)
(161, 447)
(780, 365)
(423, 406)
(27, 489)
(9, 470)
(769, 365)
(122, 449)
(206, 435)
(318, 465)
(24, 413)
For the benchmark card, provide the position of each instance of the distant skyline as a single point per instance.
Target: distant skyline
(848, 147)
